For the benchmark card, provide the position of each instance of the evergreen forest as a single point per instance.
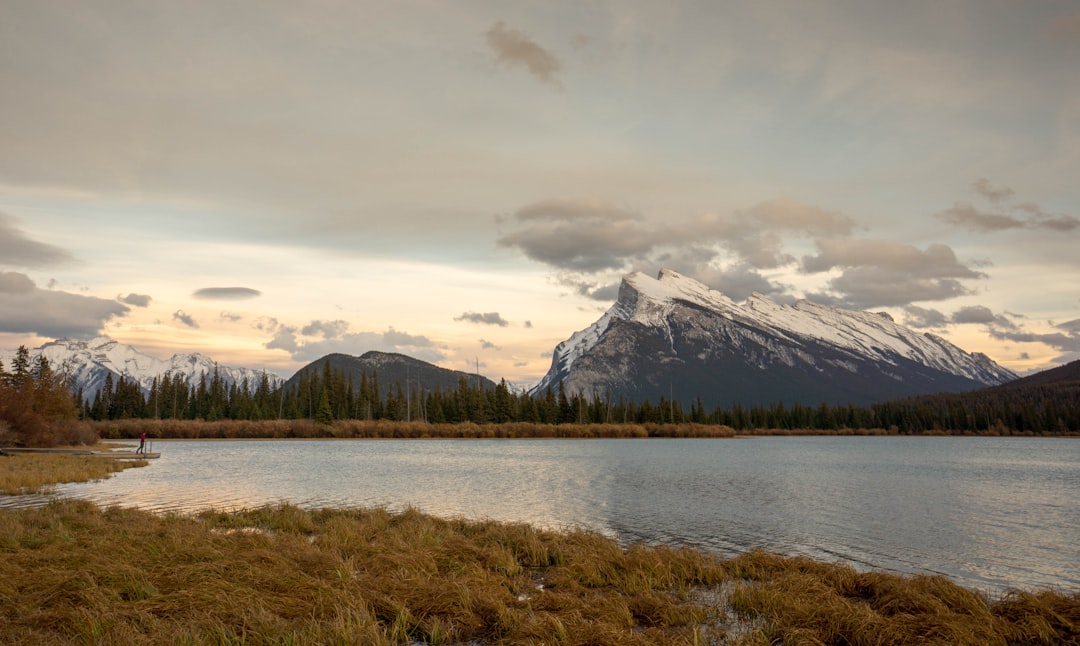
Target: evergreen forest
(1047, 406)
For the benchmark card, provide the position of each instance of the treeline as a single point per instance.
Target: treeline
(36, 405)
(327, 396)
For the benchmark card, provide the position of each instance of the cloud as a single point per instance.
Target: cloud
(866, 287)
(984, 188)
(514, 47)
(226, 293)
(326, 329)
(740, 282)
(138, 300)
(17, 250)
(289, 339)
(185, 318)
(588, 287)
(980, 314)
(579, 235)
(527, 324)
(488, 345)
(27, 309)
(968, 217)
(879, 273)
(487, 318)
(921, 318)
(1072, 327)
(936, 261)
(1009, 215)
(1065, 342)
(13, 282)
(231, 317)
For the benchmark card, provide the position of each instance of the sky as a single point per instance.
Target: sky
(467, 182)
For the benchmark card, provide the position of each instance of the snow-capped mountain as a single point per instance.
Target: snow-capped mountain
(88, 362)
(674, 337)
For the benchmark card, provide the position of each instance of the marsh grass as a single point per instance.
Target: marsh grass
(387, 429)
(74, 573)
(22, 473)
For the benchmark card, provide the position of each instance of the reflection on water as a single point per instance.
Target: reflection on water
(989, 512)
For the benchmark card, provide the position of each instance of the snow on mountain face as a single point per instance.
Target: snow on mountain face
(88, 363)
(756, 350)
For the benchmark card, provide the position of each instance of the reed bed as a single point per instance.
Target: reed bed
(387, 429)
(72, 572)
(22, 473)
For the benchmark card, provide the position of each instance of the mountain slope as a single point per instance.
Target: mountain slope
(391, 369)
(674, 337)
(88, 362)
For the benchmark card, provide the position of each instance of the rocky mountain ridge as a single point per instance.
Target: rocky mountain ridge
(674, 337)
(87, 363)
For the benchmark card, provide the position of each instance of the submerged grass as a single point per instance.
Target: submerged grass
(22, 473)
(75, 573)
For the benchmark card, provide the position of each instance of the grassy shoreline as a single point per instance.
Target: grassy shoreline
(72, 572)
(22, 473)
(158, 429)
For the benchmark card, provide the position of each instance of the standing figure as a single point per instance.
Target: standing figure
(142, 443)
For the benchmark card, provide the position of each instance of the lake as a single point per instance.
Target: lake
(990, 513)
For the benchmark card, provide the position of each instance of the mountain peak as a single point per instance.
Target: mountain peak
(674, 329)
(89, 362)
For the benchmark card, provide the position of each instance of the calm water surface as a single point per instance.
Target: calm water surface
(991, 513)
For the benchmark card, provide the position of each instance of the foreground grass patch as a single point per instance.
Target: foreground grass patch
(34, 472)
(74, 573)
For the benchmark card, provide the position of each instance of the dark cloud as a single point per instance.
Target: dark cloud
(980, 314)
(585, 235)
(1006, 214)
(226, 293)
(921, 318)
(185, 318)
(486, 318)
(17, 250)
(514, 47)
(887, 273)
(1065, 342)
(352, 343)
(739, 282)
(527, 324)
(866, 287)
(936, 261)
(488, 345)
(138, 300)
(26, 309)
(231, 317)
(1072, 327)
(968, 217)
(589, 288)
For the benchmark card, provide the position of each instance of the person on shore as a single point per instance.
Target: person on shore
(142, 443)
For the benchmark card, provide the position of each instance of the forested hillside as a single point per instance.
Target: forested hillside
(1045, 403)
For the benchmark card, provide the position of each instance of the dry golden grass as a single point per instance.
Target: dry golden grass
(74, 573)
(385, 429)
(808, 602)
(34, 472)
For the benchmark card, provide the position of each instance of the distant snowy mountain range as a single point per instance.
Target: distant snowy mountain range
(673, 337)
(668, 337)
(88, 363)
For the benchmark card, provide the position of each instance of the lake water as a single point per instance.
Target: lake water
(991, 513)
